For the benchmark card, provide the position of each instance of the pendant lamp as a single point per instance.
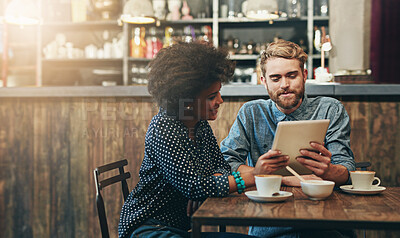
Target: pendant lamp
(262, 9)
(138, 12)
(22, 12)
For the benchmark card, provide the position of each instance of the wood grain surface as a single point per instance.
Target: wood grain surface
(340, 210)
(50, 146)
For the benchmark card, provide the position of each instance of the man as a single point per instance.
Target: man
(251, 136)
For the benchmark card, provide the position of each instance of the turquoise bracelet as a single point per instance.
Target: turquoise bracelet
(239, 182)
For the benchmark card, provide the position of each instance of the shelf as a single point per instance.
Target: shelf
(221, 27)
(22, 69)
(247, 20)
(318, 56)
(245, 90)
(82, 25)
(83, 60)
(85, 23)
(22, 45)
(321, 18)
(131, 59)
(194, 21)
(78, 63)
(243, 57)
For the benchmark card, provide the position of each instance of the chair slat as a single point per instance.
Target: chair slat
(114, 165)
(114, 179)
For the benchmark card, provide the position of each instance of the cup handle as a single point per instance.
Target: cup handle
(377, 179)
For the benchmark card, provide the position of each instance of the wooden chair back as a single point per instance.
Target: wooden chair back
(102, 183)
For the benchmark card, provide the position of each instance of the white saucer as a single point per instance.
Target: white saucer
(253, 195)
(373, 190)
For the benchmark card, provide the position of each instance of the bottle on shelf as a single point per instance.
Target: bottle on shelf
(294, 8)
(138, 43)
(206, 33)
(189, 35)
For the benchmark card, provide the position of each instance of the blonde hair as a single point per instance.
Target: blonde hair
(283, 49)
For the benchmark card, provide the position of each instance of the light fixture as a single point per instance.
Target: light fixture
(22, 12)
(262, 9)
(138, 12)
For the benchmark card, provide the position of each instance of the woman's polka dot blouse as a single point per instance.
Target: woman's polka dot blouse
(174, 170)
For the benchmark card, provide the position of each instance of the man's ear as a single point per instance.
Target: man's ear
(263, 80)
(305, 73)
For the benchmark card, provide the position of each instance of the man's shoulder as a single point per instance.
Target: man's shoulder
(254, 108)
(257, 104)
(324, 100)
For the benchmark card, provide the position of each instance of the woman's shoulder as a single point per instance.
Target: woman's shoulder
(162, 125)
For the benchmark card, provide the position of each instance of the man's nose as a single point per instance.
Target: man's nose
(284, 82)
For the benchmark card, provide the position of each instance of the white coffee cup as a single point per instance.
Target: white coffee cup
(268, 184)
(364, 179)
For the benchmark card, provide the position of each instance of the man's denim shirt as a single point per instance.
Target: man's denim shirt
(253, 131)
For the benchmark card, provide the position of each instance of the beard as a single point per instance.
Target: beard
(287, 103)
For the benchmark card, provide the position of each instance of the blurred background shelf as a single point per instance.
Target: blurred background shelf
(61, 31)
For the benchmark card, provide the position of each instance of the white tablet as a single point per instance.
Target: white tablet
(291, 136)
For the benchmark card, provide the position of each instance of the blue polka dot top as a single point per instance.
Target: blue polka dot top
(174, 170)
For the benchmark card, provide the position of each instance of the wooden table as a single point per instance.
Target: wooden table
(342, 210)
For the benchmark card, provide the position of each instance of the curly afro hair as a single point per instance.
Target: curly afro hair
(183, 70)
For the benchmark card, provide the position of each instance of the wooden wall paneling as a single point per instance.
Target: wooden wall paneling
(113, 151)
(16, 189)
(42, 170)
(21, 151)
(374, 127)
(137, 114)
(384, 128)
(375, 136)
(49, 148)
(133, 138)
(79, 167)
(360, 135)
(5, 164)
(226, 116)
(92, 118)
(60, 177)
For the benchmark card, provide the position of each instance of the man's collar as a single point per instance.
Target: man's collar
(297, 114)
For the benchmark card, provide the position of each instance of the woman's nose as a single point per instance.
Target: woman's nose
(220, 100)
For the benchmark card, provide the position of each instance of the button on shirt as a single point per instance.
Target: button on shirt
(174, 170)
(254, 129)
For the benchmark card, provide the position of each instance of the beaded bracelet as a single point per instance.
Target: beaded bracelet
(239, 182)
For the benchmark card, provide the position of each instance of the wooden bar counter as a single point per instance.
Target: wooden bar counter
(51, 139)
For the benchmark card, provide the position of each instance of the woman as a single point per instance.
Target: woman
(182, 164)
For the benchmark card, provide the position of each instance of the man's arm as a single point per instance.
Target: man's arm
(335, 158)
(320, 164)
(236, 146)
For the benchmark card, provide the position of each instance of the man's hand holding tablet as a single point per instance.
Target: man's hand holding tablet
(303, 142)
